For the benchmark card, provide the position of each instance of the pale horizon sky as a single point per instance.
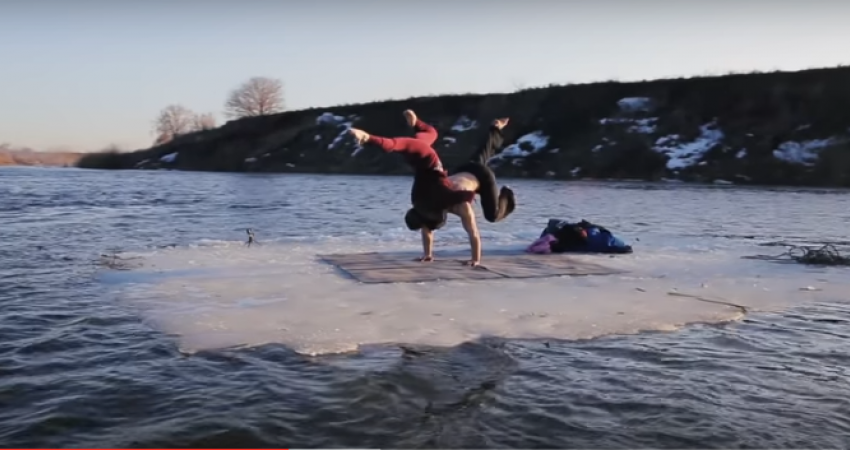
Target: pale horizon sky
(83, 74)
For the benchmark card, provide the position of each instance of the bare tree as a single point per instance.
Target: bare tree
(258, 96)
(203, 122)
(173, 121)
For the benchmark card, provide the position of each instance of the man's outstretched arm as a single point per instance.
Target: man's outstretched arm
(467, 218)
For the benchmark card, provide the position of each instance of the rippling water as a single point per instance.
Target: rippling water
(80, 368)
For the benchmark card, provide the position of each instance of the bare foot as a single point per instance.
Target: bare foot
(424, 259)
(359, 135)
(501, 123)
(472, 263)
(410, 117)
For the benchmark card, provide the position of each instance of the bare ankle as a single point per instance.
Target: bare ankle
(410, 117)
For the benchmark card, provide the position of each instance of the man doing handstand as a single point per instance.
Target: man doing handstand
(435, 193)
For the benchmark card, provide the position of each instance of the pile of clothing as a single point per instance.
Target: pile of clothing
(561, 236)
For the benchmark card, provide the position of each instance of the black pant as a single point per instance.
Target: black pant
(496, 204)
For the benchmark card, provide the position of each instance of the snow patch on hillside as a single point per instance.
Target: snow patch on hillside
(633, 104)
(524, 146)
(340, 122)
(329, 118)
(629, 106)
(684, 154)
(805, 152)
(464, 123)
(647, 125)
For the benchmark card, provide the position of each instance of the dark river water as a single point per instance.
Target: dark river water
(78, 368)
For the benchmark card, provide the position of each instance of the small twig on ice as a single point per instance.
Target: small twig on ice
(708, 300)
(827, 255)
(251, 238)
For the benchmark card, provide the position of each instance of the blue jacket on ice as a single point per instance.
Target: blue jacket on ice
(583, 237)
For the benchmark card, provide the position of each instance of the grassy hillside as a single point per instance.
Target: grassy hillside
(790, 128)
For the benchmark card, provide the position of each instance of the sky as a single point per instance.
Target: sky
(85, 74)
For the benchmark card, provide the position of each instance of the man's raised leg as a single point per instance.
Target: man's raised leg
(426, 135)
(491, 144)
(496, 204)
(387, 144)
